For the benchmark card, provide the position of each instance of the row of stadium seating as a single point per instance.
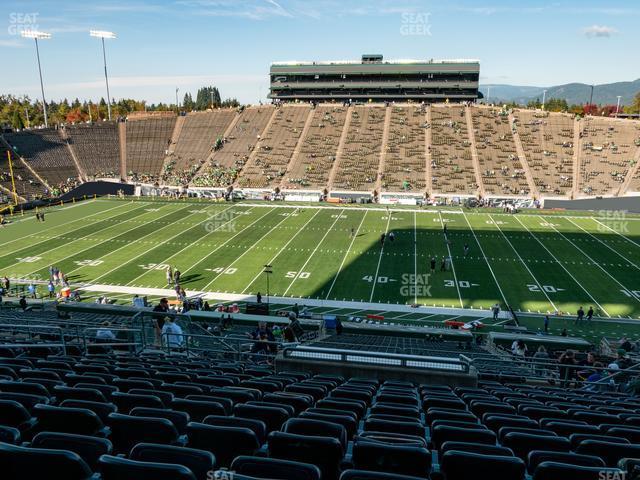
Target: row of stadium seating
(156, 416)
(358, 148)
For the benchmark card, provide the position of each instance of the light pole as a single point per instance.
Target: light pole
(177, 105)
(544, 97)
(618, 105)
(268, 270)
(101, 34)
(36, 35)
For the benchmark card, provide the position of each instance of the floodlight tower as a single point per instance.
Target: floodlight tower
(37, 35)
(102, 34)
(618, 105)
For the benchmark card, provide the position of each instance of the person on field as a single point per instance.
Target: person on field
(169, 276)
(590, 314)
(580, 316)
(433, 264)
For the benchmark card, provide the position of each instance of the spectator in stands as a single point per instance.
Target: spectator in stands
(137, 301)
(541, 356)
(296, 310)
(260, 336)
(546, 324)
(259, 297)
(579, 316)
(567, 369)
(520, 350)
(160, 310)
(206, 307)
(588, 364)
(7, 284)
(32, 290)
(172, 333)
(23, 303)
(104, 333)
(625, 344)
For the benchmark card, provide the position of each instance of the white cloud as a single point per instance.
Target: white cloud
(11, 43)
(599, 31)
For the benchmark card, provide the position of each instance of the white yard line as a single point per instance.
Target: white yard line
(313, 253)
(39, 233)
(615, 231)
(453, 268)
(280, 251)
(375, 278)
(345, 256)
(95, 244)
(606, 245)
(247, 250)
(485, 259)
(562, 266)
(15, 219)
(166, 260)
(593, 261)
(129, 260)
(524, 264)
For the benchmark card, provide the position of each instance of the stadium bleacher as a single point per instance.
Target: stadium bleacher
(357, 166)
(97, 148)
(27, 186)
(148, 140)
(48, 154)
(451, 161)
(119, 414)
(440, 150)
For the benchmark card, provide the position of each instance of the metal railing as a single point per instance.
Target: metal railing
(34, 333)
(90, 339)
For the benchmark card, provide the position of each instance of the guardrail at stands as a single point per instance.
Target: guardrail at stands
(33, 332)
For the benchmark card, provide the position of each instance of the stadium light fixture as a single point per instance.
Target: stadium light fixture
(102, 34)
(37, 35)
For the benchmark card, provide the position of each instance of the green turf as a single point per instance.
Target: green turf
(535, 263)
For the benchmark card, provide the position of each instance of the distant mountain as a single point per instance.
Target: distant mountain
(573, 93)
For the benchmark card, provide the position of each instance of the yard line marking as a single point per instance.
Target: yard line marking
(96, 244)
(375, 278)
(189, 245)
(453, 268)
(563, 267)
(464, 215)
(247, 250)
(129, 260)
(615, 231)
(605, 244)
(593, 261)
(280, 251)
(346, 255)
(39, 233)
(313, 253)
(13, 265)
(525, 264)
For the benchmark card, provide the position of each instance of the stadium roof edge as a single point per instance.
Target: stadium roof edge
(389, 62)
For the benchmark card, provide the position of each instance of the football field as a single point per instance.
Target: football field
(532, 262)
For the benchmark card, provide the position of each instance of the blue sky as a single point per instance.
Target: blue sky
(166, 44)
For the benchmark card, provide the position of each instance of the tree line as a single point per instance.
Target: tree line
(561, 105)
(24, 112)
